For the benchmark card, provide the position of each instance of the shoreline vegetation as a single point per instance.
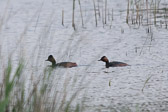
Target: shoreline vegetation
(14, 99)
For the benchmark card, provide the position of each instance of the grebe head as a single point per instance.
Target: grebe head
(51, 59)
(104, 59)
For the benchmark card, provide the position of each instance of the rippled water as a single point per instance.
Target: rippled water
(33, 29)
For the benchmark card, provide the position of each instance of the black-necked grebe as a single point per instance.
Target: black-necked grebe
(62, 64)
(112, 64)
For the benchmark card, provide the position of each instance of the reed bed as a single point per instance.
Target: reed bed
(146, 13)
(142, 12)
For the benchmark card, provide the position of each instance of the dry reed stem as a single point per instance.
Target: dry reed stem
(127, 12)
(73, 15)
(105, 12)
(95, 12)
(63, 17)
(81, 12)
(147, 10)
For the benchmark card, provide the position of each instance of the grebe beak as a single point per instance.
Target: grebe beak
(98, 60)
(46, 60)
